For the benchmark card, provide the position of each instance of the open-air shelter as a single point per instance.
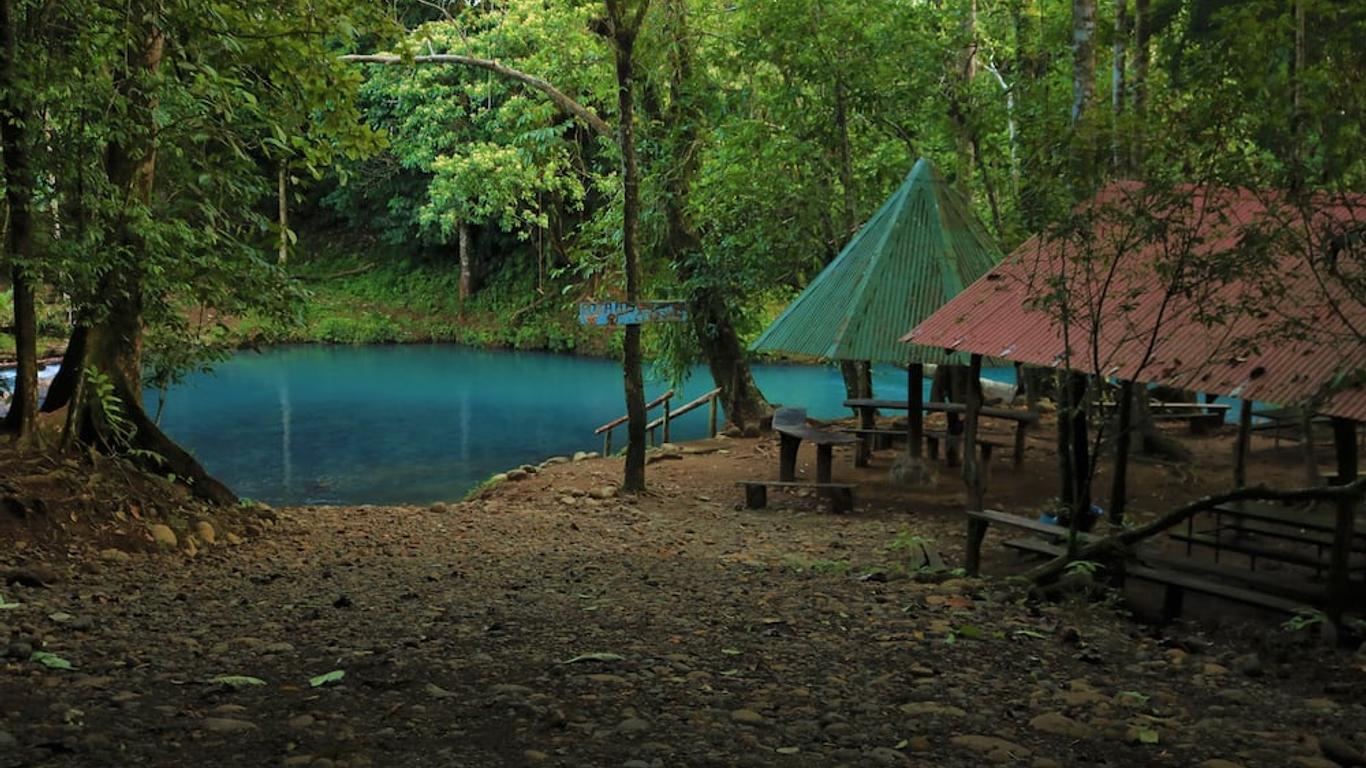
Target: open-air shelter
(1232, 292)
(918, 251)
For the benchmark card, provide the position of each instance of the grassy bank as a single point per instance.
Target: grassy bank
(392, 300)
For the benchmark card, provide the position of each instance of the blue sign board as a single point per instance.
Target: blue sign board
(626, 313)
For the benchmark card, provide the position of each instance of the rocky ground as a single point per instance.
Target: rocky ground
(554, 622)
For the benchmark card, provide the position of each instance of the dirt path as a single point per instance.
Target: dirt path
(542, 626)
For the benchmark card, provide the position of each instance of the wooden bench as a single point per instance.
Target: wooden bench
(868, 407)
(985, 445)
(1177, 584)
(841, 495)
(1148, 569)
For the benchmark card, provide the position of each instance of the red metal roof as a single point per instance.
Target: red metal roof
(1226, 291)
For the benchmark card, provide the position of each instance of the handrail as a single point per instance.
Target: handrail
(669, 415)
(695, 404)
(655, 403)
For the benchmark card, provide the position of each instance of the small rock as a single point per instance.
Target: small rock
(501, 477)
(226, 725)
(437, 692)
(553, 460)
(516, 474)
(748, 717)
(440, 507)
(33, 576)
(1249, 664)
(632, 725)
(603, 492)
(301, 721)
(535, 756)
(163, 535)
(1219, 762)
(191, 548)
(1059, 724)
(1214, 670)
(7, 740)
(888, 756)
(990, 745)
(1340, 751)
(918, 708)
(1313, 762)
(280, 647)
(204, 530)
(112, 555)
(584, 455)
(232, 538)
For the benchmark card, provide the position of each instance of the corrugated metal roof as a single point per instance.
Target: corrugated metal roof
(1283, 340)
(918, 251)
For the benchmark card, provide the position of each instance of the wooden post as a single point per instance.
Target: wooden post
(1244, 443)
(1339, 573)
(666, 421)
(915, 416)
(1081, 461)
(607, 444)
(787, 457)
(1119, 488)
(973, 474)
(1066, 489)
(711, 416)
(864, 448)
(1311, 462)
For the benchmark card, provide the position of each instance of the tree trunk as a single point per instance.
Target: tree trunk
(1119, 486)
(18, 244)
(1297, 121)
(63, 386)
(113, 344)
(846, 159)
(283, 195)
(466, 259)
(1118, 155)
(712, 325)
(1139, 86)
(857, 375)
(1083, 57)
(624, 33)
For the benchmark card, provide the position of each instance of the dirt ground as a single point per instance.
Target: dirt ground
(554, 622)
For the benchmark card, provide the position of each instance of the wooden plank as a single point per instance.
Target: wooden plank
(1244, 547)
(1279, 515)
(938, 407)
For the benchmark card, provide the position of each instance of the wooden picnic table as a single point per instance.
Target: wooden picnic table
(867, 408)
(792, 429)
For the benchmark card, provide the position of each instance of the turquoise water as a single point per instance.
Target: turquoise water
(414, 424)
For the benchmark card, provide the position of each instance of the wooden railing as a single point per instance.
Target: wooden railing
(663, 422)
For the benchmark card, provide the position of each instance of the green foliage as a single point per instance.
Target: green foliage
(327, 678)
(1305, 619)
(1083, 567)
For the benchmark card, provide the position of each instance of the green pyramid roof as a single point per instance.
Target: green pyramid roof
(917, 252)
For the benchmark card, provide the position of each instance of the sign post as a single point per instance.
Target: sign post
(611, 313)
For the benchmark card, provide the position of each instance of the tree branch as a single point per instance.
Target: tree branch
(561, 100)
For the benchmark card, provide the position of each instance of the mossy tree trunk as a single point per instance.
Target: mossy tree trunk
(113, 342)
